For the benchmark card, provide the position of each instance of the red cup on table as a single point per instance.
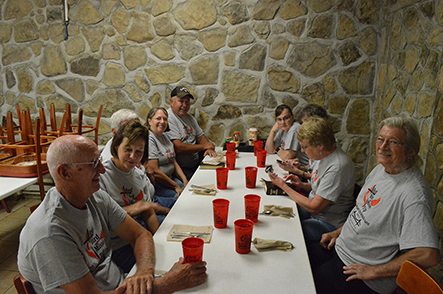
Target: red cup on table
(222, 178)
(261, 158)
(252, 205)
(258, 145)
(192, 249)
(230, 147)
(230, 160)
(243, 235)
(221, 209)
(250, 176)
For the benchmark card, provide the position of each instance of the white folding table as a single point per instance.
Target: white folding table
(228, 271)
(11, 185)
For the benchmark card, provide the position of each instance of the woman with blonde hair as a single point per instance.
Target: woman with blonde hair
(331, 185)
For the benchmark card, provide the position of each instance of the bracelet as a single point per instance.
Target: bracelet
(303, 174)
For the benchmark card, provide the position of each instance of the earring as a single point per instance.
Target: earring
(321, 152)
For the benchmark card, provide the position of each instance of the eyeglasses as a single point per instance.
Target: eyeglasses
(285, 118)
(304, 147)
(94, 163)
(391, 143)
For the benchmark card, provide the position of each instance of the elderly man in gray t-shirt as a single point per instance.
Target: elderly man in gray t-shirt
(190, 143)
(65, 244)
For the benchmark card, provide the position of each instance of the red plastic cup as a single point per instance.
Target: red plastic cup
(222, 178)
(250, 176)
(243, 235)
(192, 249)
(252, 205)
(230, 147)
(261, 158)
(258, 145)
(221, 208)
(230, 160)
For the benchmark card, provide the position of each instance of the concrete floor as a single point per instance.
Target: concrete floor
(10, 227)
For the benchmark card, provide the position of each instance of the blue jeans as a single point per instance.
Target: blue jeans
(165, 202)
(313, 228)
(164, 191)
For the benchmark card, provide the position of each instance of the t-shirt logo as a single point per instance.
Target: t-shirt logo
(95, 244)
(357, 215)
(314, 177)
(129, 198)
(369, 199)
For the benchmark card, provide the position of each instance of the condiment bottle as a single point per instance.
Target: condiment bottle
(236, 139)
(252, 136)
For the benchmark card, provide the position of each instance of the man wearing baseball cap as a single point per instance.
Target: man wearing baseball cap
(190, 143)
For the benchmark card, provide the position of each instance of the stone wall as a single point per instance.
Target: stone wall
(239, 58)
(410, 83)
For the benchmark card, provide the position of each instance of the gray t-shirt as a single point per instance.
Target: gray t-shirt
(125, 188)
(392, 213)
(333, 179)
(60, 243)
(187, 130)
(106, 152)
(288, 140)
(162, 149)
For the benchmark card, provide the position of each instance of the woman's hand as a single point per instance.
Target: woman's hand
(179, 190)
(293, 162)
(275, 128)
(138, 207)
(276, 180)
(295, 180)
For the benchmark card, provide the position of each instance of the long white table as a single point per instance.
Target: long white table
(228, 271)
(11, 185)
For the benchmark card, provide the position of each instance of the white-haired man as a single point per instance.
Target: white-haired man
(65, 244)
(118, 118)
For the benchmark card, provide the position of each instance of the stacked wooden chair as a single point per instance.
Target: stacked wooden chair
(27, 157)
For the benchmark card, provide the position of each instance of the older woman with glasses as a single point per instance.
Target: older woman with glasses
(282, 138)
(130, 187)
(331, 185)
(390, 223)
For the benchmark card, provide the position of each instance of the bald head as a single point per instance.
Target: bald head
(68, 149)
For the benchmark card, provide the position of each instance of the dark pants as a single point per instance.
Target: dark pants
(124, 257)
(189, 172)
(313, 228)
(329, 278)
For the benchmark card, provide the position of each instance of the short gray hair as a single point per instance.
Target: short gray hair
(122, 115)
(66, 149)
(412, 138)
